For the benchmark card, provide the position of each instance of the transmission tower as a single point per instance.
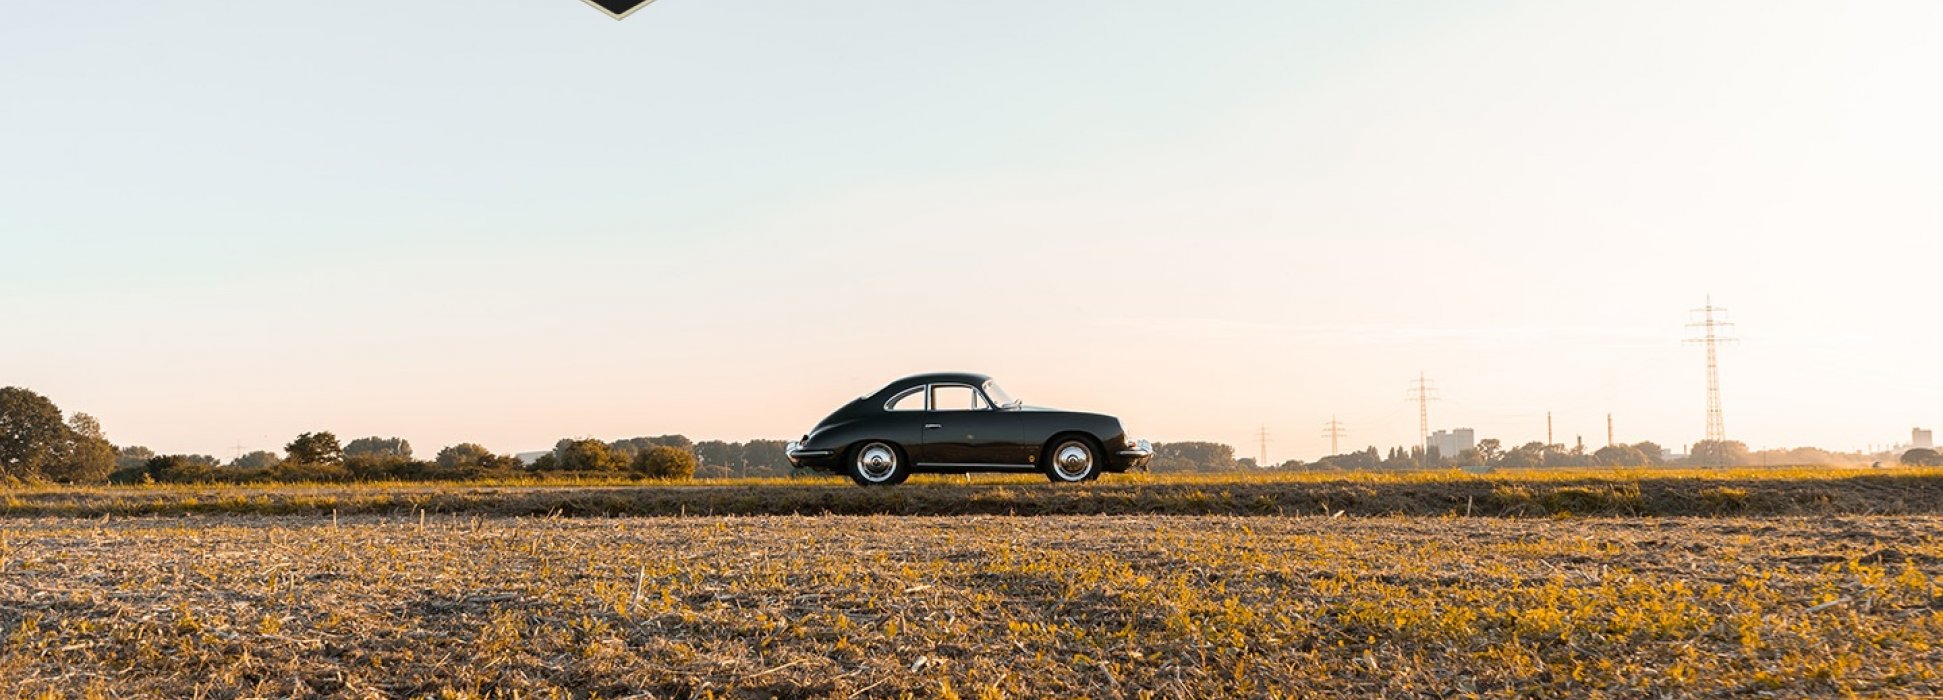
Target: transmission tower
(1263, 436)
(1711, 328)
(1334, 431)
(1423, 393)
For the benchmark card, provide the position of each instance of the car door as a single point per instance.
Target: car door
(903, 421)
(961, 427)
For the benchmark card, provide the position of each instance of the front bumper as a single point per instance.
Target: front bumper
(1136, 454)
(800, 456)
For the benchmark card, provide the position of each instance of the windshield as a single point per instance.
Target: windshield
(998, 395)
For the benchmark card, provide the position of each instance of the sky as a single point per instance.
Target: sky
(509, 222)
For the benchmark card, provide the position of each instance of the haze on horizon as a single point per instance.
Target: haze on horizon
(511, 222)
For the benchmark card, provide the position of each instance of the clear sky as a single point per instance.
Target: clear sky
(513, 221)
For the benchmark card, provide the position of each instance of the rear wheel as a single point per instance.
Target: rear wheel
(1072, 460)
(878, 463)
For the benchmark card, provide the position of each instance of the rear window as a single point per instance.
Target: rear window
(912, 400)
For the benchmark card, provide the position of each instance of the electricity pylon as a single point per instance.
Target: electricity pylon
(1335, 432)
(1712, 336)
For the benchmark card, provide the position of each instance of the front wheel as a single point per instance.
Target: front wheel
(1072, 460)
(878, 464)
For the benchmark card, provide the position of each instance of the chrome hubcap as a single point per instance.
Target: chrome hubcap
(877, 461)
(1073, 461)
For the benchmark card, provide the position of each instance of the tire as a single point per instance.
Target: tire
(1071, 460)
(877, 463)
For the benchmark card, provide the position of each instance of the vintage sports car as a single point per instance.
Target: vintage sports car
(957, 423)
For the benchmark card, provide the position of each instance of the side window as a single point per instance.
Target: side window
(912, 400)
(956, 397)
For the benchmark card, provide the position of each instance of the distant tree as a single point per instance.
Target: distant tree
(1560, 456)
(133, 456)
(1923, 457)
(86, 426)
(1401, 458)
(1247, 464)
(465, 454)
(260, 459)
(35, 444)
(587, 455)
(378, 458)
(765, 457)
(32, 434)
(379, 447)
(632, 446)
(1655, 455)
(546, 463)
(1489, 450)
(1719, 453)
(1528, 455)
(1619, 456)
(1352, 461)
(315, 448)
(181, 468)
(665, 462)
(1193, 456)
(718, 453)
(472, 457)
(83, 460)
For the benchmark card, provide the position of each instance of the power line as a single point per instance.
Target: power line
(1335, 432)
(1712, 336)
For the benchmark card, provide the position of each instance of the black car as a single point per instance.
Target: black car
(956, 423)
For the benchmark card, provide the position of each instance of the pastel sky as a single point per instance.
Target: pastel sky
(508, 222)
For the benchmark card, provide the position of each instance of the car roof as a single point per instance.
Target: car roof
(972, 378)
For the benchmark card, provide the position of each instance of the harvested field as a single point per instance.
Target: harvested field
(1056, 606)
(1532, 493)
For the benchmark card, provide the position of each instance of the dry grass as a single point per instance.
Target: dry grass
(1531, 493)
(972, 607)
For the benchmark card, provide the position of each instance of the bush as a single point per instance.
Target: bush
(1923, 457)
(664, 462)
(180, 469)
(585, 456)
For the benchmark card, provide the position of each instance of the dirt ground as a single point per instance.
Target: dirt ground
(972, 606)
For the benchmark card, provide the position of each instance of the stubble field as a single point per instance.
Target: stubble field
(971, 606)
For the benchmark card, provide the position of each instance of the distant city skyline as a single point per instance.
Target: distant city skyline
(512, 222)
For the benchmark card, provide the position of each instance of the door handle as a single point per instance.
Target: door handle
(932, 426)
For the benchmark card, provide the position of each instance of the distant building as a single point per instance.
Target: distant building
(1453, 443)
(1919, 437)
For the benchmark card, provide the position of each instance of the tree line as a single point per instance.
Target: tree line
(37, 444)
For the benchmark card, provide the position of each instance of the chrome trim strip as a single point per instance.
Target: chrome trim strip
(930, 398)
(957, 465)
